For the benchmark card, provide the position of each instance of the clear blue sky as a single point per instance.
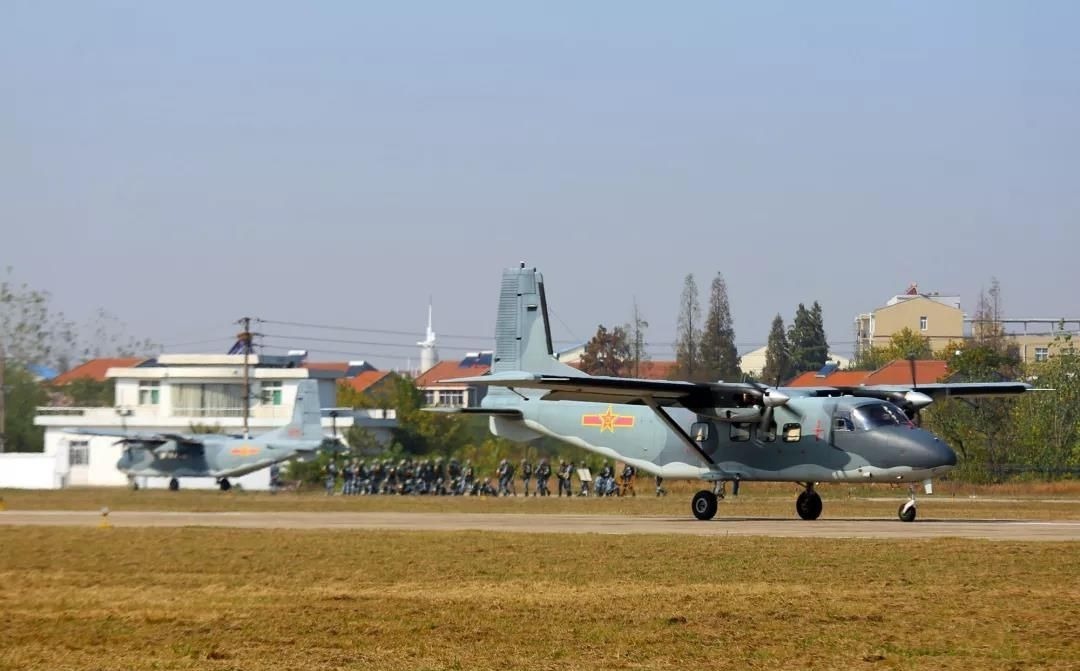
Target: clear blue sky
(183, 164)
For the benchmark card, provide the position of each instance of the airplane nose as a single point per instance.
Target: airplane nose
(925, 450)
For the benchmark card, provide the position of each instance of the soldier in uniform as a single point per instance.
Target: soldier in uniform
(468, 477)
(275, 478)
(526, 475)
(565, 470)
(347, 474)
(660, 491)
(503, 471)
(543, 473)
(331, 478)
(628, 473)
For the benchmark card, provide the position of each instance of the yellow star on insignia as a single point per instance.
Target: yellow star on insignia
(607, 420)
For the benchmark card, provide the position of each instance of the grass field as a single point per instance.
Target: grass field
(229, 599)
(950, 501)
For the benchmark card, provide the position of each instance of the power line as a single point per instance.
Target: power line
(366, 343)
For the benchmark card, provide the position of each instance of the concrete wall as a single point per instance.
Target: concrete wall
(21, 470)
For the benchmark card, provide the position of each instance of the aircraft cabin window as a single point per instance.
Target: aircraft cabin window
(792, 433)
(842, 422)
(740, 431)
(700, 431)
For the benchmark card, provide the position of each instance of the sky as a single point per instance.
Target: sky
(184, 164)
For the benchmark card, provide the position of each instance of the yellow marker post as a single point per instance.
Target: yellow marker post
(3, 506)
(104, 524)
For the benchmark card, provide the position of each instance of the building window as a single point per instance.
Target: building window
(453, 399)
(271, 393)
(429, 397)
(149, 393)
(79, 453)
(922, 323)
(1042, 354)
(208, 400)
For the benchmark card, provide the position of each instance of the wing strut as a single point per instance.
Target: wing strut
(674, 426)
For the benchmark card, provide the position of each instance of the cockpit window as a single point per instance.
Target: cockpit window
(876, 415)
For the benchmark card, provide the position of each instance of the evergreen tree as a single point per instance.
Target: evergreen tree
(806, 339)
(719, 356)
(778, 362)
(688, 336)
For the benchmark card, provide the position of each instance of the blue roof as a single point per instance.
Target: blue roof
(42, 372)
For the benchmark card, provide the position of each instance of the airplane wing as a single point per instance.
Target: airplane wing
(136, 436)
(623, 390)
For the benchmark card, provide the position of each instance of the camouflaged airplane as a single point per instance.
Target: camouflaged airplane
(716, 432)
(175, 455)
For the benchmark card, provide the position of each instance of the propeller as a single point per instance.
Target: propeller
(771, 398)
(914, 404)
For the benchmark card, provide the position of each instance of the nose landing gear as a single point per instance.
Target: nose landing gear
(224, 484)
(808, 505)
(906, 512)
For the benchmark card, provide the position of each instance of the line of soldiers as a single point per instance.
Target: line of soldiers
(435, 477)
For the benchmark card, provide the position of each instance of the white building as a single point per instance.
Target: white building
(178, 393)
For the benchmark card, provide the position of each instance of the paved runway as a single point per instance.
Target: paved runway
(1012, 530)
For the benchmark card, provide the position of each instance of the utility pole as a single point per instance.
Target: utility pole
(245, 339)
(3, 398)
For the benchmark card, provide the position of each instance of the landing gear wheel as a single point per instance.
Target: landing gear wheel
(134, 485)
(224, 484)
(906, 513)
(704, 505)
(174, 485)
(808, 505)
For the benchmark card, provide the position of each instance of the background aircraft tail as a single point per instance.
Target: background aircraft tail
(306, 423)
(522, 330)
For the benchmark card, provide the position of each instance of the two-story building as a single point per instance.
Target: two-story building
(185, 393)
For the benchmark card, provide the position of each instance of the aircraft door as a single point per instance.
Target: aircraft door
(842, 430)
(704, 434)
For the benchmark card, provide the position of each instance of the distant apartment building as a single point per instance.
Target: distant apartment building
(934, 316)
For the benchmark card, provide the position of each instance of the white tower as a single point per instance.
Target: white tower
(428, 355)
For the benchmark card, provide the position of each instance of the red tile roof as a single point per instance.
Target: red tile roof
(650, 370)
(95, 369)
(365, 380)
(447, 370)
(897, 373)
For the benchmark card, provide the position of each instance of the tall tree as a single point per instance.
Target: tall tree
(688, 336)
(719, 356)
(778, 362)
(806, 338)
(635, 330)
(904, 344)
(607, 353)
(30, 331)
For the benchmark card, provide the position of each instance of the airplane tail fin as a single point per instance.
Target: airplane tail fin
(306, 422)
(522, 330)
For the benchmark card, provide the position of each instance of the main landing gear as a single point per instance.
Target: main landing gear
(906, 512)
(808, 505)
(224, 484)
(174, 485)
(704, 505)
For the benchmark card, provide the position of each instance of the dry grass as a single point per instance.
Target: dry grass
(228, 599)
(950, 501)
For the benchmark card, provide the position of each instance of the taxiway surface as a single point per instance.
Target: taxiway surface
(1011, 530)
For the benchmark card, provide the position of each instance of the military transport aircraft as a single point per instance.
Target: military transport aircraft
(222, 457)
(716, 432)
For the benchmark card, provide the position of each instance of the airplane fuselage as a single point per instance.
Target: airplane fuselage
(803, 447)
